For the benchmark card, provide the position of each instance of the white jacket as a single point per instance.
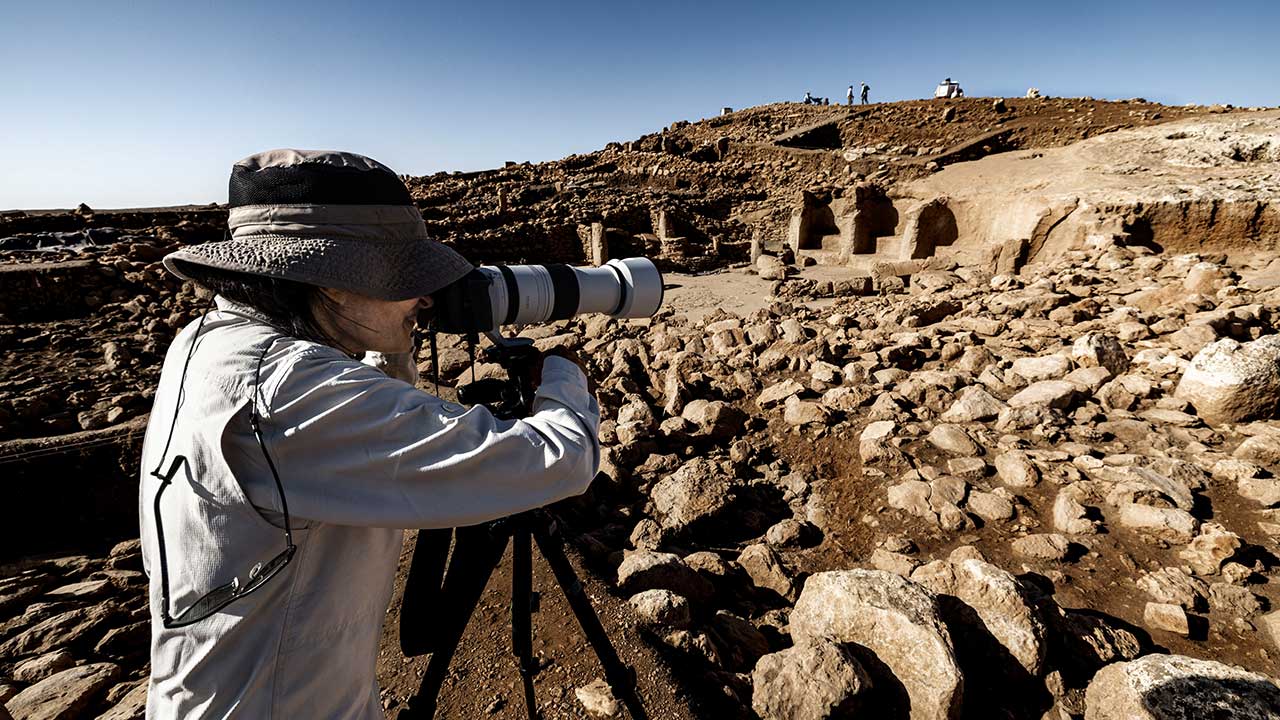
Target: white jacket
(360, 455)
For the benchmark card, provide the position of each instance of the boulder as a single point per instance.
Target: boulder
(1167, 617)
(1042, 546)
(1070, 516)
(713, 418)
(1176, 687)
(1100, 350)
(973, 404)
(1002, 606)
(1016, 470)
(815, 680)
(874, 443)
(1047, 367)
(1170, 524)
(778, 393)
(953, 440)
(646, 570)
(693, 497)
(661, 608)
(797, 412)
(1057, 394)
(65, 695)
(1213, 546)
(765, 567)
(740, 643)
(1230, 382)
(133, 706)
(899, 624)
(39, 668)
(1173, 585)
(598, 700)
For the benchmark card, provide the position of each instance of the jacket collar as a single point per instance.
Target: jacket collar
(235, 308)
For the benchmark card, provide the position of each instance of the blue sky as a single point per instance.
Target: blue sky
(125, 104)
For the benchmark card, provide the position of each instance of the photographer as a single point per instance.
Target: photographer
(278, 468)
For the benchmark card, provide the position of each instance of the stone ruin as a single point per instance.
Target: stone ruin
(997, 449)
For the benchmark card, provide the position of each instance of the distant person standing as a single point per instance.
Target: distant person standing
(865, 90)
(849, 95)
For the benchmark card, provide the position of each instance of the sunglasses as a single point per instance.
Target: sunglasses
(256, 576)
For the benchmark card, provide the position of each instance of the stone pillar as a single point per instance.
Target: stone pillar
(664, 225)
(757, 246)
(599, 245)
(502, 199)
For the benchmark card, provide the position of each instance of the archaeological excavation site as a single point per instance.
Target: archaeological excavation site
(956, 409)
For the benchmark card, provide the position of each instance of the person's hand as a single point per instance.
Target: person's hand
(570, 355)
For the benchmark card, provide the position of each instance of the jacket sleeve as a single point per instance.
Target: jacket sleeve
(356, 447)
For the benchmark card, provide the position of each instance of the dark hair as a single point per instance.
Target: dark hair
(287, 304)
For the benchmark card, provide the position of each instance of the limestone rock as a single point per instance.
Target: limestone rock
(1210, 549)
(815, 680)
(39, 668)
(897, 621)
(598, 700)
(1057, 394)
(1263, 449)
(873, 444)
(133, 706)
(1043, 546)
(64, 695)
(1100, 350)
(778, 393)
(1047, 367)
(1166, 616)
(973, 404)
(797, 412)
(1229, 382)
(1176, 687)
(645, 570)
(713, 418)
(765, 567)
(741, 644)
(1070, 516)
(661, 608)
(1001, 605)
(1016, 470)
(953, 440)
(1170, 524)
(1172, 585)
(694, 496)
(989, 506)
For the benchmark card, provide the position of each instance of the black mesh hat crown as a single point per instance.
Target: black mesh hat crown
(314, 177)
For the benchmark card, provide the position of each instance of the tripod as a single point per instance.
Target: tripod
(439, 600)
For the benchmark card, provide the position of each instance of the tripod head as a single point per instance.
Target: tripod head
(511, 398)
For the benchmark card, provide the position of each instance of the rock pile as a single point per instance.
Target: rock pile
(927, 490)
(76, 637)
(1041, 428)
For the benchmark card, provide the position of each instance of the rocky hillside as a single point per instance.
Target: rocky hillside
(903, 487)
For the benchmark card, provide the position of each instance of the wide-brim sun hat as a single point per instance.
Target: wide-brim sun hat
(327, 218)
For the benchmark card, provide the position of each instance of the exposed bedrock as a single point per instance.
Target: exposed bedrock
(1148, 186)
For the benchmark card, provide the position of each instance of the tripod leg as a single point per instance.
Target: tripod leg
(422, 590)
(522, 598)
(476, 553)
(521, 609)
(621, 678)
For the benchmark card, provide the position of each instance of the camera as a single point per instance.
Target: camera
(491, 296)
